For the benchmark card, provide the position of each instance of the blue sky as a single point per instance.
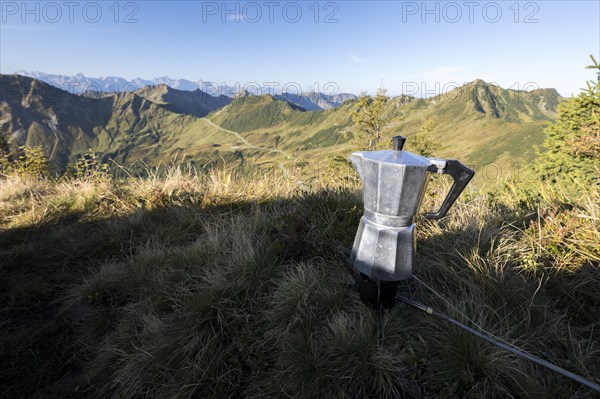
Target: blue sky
(412, 47)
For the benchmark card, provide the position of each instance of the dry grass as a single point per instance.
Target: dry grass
(233, 284)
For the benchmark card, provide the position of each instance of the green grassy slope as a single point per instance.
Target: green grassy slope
(127, 127)
(478, 123)
(34, 113)
(255, 112)
(482, 124)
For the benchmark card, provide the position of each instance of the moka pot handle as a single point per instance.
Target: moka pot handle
(462, 176)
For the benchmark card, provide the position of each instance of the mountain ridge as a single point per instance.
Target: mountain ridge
(478, 122)
(197, 103)
(80, 84)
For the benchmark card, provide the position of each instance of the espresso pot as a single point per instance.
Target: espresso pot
(394, 183)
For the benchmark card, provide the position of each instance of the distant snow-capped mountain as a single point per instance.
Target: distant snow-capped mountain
(109, 84)
(80, 84)
(315, 101)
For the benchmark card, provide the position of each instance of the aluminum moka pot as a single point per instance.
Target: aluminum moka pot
(394, 182)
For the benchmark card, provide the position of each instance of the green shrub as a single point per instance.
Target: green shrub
(88, 166)
(573, 142)
(27, 161)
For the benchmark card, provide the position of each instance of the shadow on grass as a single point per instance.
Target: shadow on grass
(40, 264)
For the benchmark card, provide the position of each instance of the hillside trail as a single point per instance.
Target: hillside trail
(249, 145)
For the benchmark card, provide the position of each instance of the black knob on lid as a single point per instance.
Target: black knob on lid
(398, 142)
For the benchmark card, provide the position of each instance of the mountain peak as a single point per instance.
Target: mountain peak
(478, 82)
(508, 104)
(242, 93)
